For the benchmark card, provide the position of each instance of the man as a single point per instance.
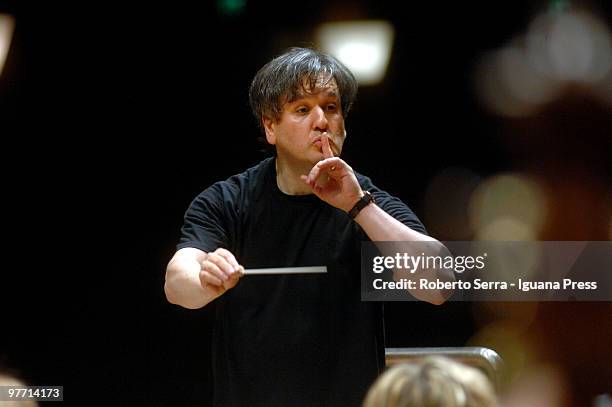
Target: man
(291, 340)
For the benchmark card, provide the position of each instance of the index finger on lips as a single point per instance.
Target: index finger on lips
(327, 151)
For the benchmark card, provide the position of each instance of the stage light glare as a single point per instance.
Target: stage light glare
(363, 46)
(7, 24)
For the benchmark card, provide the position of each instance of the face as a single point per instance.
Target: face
(297, 134)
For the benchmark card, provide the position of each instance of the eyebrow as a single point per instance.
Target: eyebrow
(332, 93)
(303, 95)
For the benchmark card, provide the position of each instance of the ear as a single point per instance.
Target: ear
(269, 128)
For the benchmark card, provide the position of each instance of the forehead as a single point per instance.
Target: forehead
(323, 84)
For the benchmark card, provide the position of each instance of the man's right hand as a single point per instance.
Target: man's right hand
(194, 278)
(219, 271)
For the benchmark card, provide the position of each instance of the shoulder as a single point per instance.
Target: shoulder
(242, 184)
(367, 184)
(364, 181)
(252, 174)
(379, 194)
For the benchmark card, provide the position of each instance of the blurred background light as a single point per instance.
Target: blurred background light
(506, 229)
(7, 24)
(364, 46)
(518, 314)
(609, 205)
(572, 46)
(508, 207)
(516, 349)
(509, 86)
(558, 49)
(579, 47)
(542, 384)
(231, 7)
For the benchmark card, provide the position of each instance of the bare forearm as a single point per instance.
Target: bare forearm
(183, 285)
(382, 227)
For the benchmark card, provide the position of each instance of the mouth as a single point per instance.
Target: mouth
(317, 142)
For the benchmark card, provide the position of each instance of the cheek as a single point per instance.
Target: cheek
(339, 142)
(340, 130)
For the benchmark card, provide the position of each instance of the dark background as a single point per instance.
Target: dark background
(114, 115)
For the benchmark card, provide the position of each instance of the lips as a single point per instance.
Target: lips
(317, 141)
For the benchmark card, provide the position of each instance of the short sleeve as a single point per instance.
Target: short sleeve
(206, 221)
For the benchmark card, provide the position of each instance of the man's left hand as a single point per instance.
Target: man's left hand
(333, 180)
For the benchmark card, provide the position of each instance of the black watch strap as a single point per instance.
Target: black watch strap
(365, 200)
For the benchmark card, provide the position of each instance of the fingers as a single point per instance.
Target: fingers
(220, 271)
(327, 151)
(216, 290)
(329, 166)
(228, 256)
(233, 280)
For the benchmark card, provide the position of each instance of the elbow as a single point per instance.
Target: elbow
(429, 297)
(440, 297)
(173, 296)
(435, 297)
(168, 289)
(171, 291)
(182, 286)
(170, 296)
(173, 286)
(437, 301)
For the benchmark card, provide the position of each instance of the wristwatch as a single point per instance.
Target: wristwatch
(364, 201)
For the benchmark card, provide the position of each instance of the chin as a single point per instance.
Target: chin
(312, 162)
(315, 158)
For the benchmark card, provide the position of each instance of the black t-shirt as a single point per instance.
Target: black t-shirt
(290, 340)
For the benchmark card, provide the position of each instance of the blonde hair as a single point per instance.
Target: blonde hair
(431, 382)
(8, 380)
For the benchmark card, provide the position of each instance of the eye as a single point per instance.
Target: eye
(302, 110)
(332, 107)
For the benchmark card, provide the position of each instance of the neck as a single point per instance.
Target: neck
(288, 177)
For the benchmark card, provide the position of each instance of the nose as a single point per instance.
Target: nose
(319, 119)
